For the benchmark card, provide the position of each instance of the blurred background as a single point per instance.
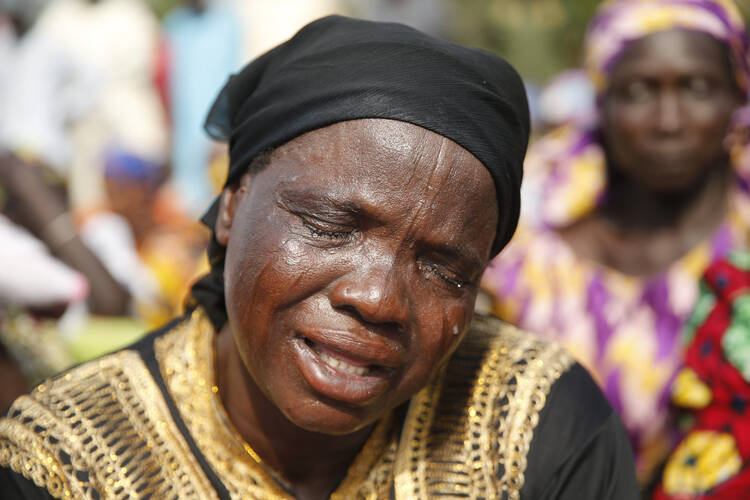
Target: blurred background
(105, 168)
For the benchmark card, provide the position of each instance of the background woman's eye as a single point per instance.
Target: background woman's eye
(699, 86)
(637, 91)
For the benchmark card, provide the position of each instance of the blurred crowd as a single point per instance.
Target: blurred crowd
(104, 165)
(105, 170)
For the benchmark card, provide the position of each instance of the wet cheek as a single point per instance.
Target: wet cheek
(276, 280)
(261, 291)
(454, 321)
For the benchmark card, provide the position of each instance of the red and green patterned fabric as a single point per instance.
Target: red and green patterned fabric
(713, 459)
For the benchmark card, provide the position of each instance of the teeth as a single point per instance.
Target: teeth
(343, 365)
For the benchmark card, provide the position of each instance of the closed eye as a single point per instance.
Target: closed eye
(324, 233)
(435, 270)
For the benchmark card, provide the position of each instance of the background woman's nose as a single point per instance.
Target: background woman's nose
(377, 294)
(669, 113)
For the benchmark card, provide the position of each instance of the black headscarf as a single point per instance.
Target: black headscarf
(337, 69)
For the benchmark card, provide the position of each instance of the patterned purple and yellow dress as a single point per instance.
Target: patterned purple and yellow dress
(625, 329)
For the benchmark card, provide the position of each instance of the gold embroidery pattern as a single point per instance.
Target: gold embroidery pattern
(186, 361)
(102, 430)
(370, 477)
(488, 402)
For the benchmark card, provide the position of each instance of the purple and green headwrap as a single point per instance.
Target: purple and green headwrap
(621, 22)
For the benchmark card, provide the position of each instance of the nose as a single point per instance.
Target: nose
(669, 120)
(377, 294)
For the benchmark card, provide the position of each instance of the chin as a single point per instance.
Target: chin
(671, 177)
(673, 185)
(325, 419)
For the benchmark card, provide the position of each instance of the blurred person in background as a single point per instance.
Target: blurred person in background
(266, 24)
(568, 99)
(145, 238)
(621, 219)
(78, 83)
(41, 91)
(46, 269)
(115, 47)
(203, 43)
(425, 15)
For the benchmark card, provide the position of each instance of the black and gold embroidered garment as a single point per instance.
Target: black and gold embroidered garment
(510, 417)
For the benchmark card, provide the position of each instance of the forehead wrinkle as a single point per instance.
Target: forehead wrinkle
(438, 168)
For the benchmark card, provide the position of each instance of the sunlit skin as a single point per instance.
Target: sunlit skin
(365, 240)
(664, 119)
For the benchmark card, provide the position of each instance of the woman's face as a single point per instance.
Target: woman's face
(352, 266)
(667, 110)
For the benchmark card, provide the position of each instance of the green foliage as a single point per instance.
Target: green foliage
(161, 7)
(539, 37)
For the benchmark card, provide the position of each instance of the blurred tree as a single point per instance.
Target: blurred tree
(539, 37)
(161, 7)
(744, 6)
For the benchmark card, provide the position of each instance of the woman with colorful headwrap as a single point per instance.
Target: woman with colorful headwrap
(620, 220)
(332, 351)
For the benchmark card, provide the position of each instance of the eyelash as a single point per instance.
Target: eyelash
(321, 233)
(433, 269)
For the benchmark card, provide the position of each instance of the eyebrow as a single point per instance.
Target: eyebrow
(306, 198)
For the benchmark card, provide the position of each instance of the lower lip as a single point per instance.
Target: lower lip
(335, 384)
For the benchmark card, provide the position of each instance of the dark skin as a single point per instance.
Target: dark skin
(664, 120)
(33, 204)
(364, 242)
(14, 382)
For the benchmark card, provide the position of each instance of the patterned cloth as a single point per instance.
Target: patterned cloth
(712, 460)
(625, 329)
(509, 417)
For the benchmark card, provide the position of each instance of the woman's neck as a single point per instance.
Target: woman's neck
(310, 464)
(634, 208)
(637, 231)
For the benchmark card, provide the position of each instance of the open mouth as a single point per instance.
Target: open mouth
(340, 375)
(342, 363)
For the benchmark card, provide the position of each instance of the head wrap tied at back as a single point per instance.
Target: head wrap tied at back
(338, 69)
(620, 22)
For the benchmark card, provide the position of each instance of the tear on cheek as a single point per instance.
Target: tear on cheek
(455, 318)
(292, 251)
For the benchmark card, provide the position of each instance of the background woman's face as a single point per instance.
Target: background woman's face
(353, 261)
(667, 110)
